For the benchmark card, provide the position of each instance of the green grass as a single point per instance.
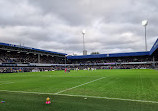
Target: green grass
(123, 84)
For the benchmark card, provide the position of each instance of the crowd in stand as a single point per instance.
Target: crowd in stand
(82, 67)
(14, 57)
(114, 60)
(24, 69)
(138, 66)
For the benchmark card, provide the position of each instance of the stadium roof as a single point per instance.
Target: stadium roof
(109, 55)
(29, 48)
(153, 50)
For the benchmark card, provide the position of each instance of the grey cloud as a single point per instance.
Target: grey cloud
(111, 26)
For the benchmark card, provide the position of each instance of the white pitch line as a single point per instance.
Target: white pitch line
(6, 83)
(121, 99)
(84, 96)
(80, 85)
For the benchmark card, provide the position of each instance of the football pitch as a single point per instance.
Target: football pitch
(100, 90)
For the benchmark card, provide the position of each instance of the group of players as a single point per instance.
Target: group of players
(77, 69)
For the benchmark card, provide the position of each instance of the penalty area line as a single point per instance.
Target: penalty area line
(84, 96)
(79, 85)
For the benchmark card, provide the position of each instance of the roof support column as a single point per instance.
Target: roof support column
(38, 58)
(153, 61)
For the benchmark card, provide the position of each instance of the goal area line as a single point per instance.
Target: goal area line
(84, 96)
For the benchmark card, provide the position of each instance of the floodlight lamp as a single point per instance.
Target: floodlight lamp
(83, 31)
(145, 22)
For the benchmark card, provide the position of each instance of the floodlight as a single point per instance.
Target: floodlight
(83, 31)
(145, 22)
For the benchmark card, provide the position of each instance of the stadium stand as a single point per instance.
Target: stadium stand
(148, 59)
(16, 58)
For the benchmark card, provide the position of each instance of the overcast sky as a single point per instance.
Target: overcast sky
(111, 26)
